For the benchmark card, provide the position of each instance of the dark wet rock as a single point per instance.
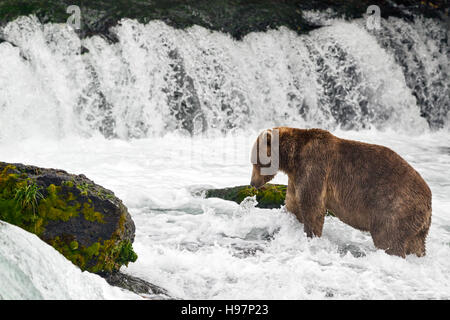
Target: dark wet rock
(236, 17)
(259, 234)
(245, 252)
(135, 284)
(184, 104)
(444, 150)
(85, 222)
(353, 249)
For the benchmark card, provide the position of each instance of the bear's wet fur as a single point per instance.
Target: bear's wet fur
(367, 186)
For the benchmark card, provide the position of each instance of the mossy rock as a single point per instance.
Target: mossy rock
(87, 223)
(270, 196)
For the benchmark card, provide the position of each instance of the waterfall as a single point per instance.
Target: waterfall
(157, 79)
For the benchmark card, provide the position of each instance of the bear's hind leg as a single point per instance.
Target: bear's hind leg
(397, 249)
(387, 239)
(416, 245)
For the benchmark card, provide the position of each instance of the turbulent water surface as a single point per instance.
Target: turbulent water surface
(163, 114)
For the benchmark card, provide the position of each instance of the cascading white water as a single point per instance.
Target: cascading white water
(422, 50)
(157, 79)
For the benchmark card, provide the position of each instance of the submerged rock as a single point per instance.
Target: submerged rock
(135, 284)
(85, 222)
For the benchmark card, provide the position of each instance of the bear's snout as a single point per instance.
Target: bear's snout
(259, 181)
(255, 185)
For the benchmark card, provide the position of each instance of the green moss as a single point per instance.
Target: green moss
(93, 250)
(64, 206)
(107, 255)
(68, 184)
(104, 195)
(68, 249)
(114, 253)
(90, 214)
(8, 180)
(126, 253)
(70, 197)
(73, 245)
(56, 206)
(84, 188)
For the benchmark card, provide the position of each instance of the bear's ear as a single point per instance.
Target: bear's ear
(267, 141)
(267, 135)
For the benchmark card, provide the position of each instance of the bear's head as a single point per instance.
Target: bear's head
(265, 157)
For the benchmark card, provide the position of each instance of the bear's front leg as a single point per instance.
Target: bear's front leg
(311, 193)
(314, 219)
(309, 210)
(292, 201)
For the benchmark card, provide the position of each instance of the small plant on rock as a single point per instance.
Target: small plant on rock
(28, 196)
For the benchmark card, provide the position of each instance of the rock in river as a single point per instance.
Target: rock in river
(85, 222)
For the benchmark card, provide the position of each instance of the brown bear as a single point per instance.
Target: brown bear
(367, 186)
